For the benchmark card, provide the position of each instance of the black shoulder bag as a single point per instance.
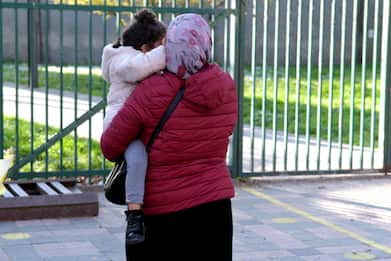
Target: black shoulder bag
(114, 186)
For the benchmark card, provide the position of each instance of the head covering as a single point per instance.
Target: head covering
(188, 45)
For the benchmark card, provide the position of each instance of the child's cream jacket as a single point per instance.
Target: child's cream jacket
(122, 68)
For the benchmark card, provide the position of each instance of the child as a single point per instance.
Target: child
(134, 57)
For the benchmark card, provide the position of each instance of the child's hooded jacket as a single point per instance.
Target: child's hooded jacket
(122, 68)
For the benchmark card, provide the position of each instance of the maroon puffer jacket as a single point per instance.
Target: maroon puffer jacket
(186, 165)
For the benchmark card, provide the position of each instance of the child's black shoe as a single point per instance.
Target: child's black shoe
(135, 227)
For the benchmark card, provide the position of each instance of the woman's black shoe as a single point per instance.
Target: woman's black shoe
(135, 228)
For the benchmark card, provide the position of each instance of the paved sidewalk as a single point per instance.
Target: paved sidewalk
(319, 220)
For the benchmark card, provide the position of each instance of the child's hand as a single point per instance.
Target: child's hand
(164, 41)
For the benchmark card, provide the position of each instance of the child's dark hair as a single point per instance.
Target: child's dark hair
(145, 29)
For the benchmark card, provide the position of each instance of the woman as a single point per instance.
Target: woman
(188, 187)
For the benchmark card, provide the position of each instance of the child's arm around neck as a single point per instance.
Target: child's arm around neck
(135, 68)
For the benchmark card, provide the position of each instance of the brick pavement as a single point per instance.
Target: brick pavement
(322, 220)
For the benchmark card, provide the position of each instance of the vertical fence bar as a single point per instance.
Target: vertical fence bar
(264, 79)
(386, 84)
(298, 78)
(320, 82)
(287, 53)
(46, 85)
(90, 87)
(32, 64)
(118, 20)
(1, 85)
(160, 4)
(353, 82)
(385, 78)
(173, 4)
(76, 84)
(374, 76)
(331, 84)
(363, 82)
(253, 83)
(132, 3)
(342, 85)
(213, 31)
(226, 35)
(61, 84)
(104, 82)
(187, 3)
(239, 69)
(226, 66)
(16, 83)
(33, 46)
(275, 81)
(309, 76)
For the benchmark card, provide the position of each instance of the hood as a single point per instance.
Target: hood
(205, 89)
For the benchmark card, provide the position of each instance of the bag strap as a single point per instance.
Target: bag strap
(165, 117)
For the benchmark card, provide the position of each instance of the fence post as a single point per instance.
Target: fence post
(33, 24)
(238, 75)
(385, 86)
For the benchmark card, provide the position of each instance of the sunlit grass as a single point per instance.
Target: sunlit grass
(24, 141)
(334, 106)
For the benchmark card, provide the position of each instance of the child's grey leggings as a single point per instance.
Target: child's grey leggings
(136, 160)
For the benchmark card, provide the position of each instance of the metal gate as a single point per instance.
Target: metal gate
(53, 97)
(312, 80)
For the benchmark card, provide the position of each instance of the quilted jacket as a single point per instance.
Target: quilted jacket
(122, 67)
(187, 161)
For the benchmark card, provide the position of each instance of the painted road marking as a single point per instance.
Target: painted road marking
(319, 220)
(15, 236)
(284, 220)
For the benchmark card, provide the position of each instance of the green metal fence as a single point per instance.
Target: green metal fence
(316, 95)
(53, 96)
(312, 80)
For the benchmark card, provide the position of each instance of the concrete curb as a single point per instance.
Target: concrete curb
(258, 181)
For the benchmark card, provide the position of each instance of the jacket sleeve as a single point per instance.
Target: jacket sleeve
(136, 68)
(105, 63)
(124, 128)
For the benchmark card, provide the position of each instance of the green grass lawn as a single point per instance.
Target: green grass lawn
(24, 136)
(89, 81)
(325, 94)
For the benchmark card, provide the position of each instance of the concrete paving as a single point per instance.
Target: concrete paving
(317, 219)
